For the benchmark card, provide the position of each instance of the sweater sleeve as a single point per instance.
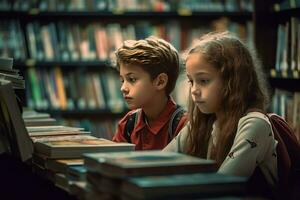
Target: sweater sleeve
(252, 144)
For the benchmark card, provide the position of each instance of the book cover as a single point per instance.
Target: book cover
(62, 165)
(75, 148)
(13, 131)
(77, 172)
(135, 163)
(184, 186)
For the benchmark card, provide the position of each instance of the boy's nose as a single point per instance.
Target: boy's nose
(124, 89)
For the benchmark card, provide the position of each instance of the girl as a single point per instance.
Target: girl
(225, 85)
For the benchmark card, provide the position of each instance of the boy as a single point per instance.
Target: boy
(148, 70)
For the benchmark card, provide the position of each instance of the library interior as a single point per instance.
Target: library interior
(61, 101)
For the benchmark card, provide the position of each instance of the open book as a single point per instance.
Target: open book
(14, 138)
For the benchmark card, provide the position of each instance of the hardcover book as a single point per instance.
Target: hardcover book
(14, 138)
(75, 148)
(77, 172)
(135, 163)
(184, 186)
(62, 165)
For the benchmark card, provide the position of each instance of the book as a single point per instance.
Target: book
(79, 189)
(14, 136)
(32, 114)
(57, 133)
(48, 138)
(62, 165)
(151, 162)
(184, 186)
(52, 128)
(35, 131)
(6, 63)
(71, 148)
(77, 172)
(62, 181)
(40, 122)
(104, 184)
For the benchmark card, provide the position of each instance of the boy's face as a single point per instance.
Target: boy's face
(206, 83)
(136, 86)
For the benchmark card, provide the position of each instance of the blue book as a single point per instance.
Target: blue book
(77, 172)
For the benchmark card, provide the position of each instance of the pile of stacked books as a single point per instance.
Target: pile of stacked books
(153, 175)
(8, 74)
(58, 151)
(38, 140)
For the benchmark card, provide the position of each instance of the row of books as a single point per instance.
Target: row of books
(67, 41)
(128, 5)
(287, 105)
(73, 89)
(12, 40)
(286, 4)
(288, 46)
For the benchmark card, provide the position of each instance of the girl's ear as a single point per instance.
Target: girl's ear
(160, 82)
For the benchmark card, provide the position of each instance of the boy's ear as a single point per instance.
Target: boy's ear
(161, 81)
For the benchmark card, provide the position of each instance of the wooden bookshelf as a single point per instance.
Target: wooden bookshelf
(278, 43)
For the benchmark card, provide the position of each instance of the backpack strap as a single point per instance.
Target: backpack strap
(173, 123)
(174, 120)
(130, 124)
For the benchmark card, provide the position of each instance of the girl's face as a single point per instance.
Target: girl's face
(136, 86)
(206, 83)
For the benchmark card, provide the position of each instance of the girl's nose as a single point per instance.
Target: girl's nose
(195, 90)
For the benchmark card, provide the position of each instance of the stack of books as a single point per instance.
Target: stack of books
(58, 154)
(8, 74)
(133, 175)
(49, 147)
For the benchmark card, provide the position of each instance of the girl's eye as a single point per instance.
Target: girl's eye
(121, 80)
(131, 79)
(204, 81)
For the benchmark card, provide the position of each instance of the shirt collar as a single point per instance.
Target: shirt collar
(161, 120)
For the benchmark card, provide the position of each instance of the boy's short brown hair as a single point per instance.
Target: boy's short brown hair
(154, 55)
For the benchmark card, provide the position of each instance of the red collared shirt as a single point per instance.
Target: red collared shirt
(154, 137)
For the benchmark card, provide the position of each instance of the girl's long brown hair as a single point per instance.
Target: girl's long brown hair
(244, 88)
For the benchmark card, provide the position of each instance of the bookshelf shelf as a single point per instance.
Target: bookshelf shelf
(277, 40)
(84, 113)
(116, 15)
(288, 84)
(286, 13)
(66, 49)
(285, 74)
(64, 64)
